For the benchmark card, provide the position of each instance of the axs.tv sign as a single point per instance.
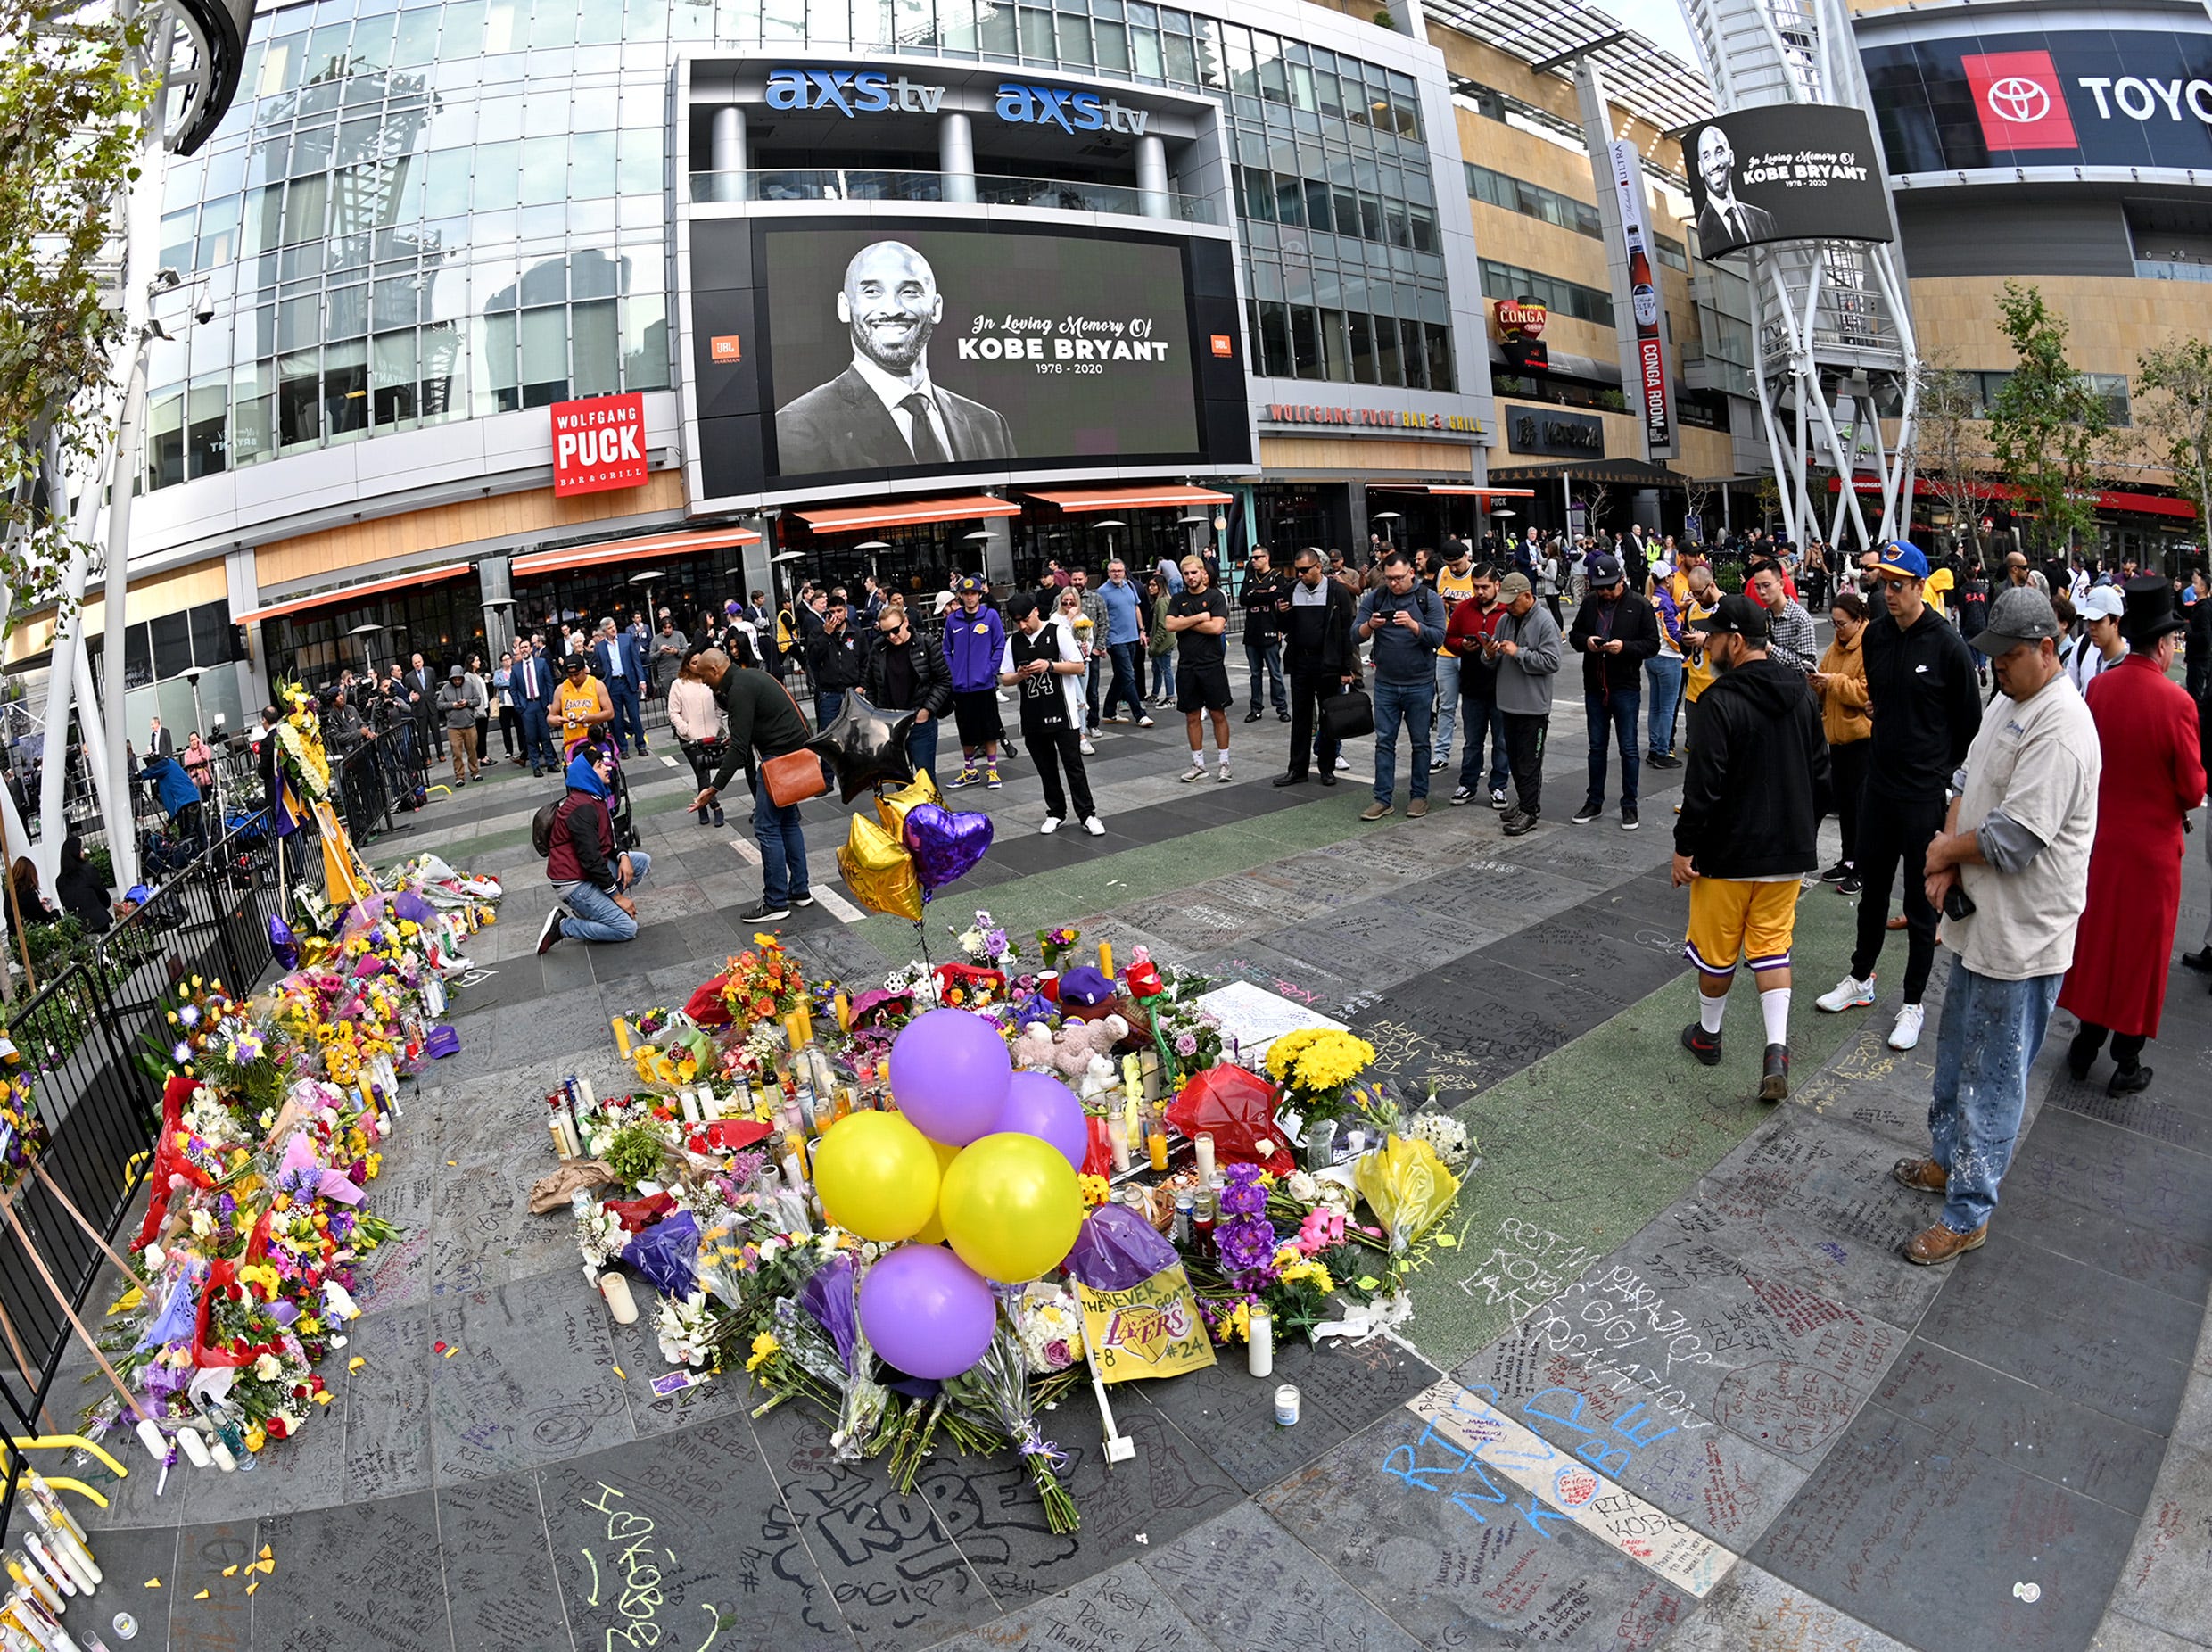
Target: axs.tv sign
(855, 92)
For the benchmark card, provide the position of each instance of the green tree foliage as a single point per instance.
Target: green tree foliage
(2048, 425)
(2174, 419)
(73, 97)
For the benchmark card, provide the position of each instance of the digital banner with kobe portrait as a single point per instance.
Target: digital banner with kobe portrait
(863, 350)
(1787, 172)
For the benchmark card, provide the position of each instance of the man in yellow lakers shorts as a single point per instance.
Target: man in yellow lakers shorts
(1747, 833)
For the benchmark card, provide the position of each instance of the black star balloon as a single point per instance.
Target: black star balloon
(865, 747)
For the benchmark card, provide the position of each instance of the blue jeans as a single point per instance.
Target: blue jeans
(1483, 717)
(537, 736)
(828, 704)
(1266, 654)
(627, 722)
(1665, 677)
(593, 914)
(1127, 687)
(783, 850)
(1991, 1032)
(1163, 675)
(1446, 703)
(921, 747)
(1613, 714)
(1396, 703)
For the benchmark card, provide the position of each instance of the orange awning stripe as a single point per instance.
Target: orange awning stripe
(685, 544)
(1134, 498)
(906, 514)
(352, 593)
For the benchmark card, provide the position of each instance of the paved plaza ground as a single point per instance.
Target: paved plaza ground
(1664, 1293)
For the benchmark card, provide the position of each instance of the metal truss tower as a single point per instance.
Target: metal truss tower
(1834, 331)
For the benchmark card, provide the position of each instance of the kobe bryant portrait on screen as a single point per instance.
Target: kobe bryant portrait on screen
(883, 411)
(1724, 223)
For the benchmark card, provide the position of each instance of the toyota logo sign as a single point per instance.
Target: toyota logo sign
(2020, 101)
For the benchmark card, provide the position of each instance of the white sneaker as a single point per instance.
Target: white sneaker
(1143, 722)
(1224, 776)
(1906, 1034)
(1342, 763)
(1094, 826)
(1849, 994)
(1051, 825)
(1086, 749)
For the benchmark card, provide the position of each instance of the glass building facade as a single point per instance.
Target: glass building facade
(417, 213)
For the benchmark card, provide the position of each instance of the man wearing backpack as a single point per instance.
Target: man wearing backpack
(592, 885)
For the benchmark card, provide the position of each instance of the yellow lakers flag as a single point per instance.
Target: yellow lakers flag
(1151, 1329)
(344, 876)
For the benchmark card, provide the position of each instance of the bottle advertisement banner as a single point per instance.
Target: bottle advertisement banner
(1651, 359)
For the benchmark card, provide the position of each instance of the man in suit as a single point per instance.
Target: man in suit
(1725, 223)
(883, 411)
(532, 681)
(157, 741)
(619, 664)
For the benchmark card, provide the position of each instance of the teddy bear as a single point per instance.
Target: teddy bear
(1080, 1053)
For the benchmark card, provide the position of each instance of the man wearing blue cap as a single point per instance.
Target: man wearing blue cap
(975, 645)
(1926, 705)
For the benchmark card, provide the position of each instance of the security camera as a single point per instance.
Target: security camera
(191, 674)
(203, 305)
(166, 279)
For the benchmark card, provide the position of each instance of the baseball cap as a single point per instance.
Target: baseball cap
(1515, 584)
(1607, 571)
(1741, 615)
(2020, 614)
(2097, 602)
(1901, 558)
(969, 582)
(574, 661)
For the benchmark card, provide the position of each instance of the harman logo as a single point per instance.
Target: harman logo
(1069, 110)
(850, 91)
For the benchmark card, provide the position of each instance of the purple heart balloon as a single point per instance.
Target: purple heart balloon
(946, 846)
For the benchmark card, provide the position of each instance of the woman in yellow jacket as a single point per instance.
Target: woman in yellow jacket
(1841, 681)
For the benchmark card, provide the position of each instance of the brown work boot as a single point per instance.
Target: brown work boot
(1940, 1243)
(1923, 1176)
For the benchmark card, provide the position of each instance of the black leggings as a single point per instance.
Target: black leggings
(510, 727)
(1847, 764)
(1893, 835)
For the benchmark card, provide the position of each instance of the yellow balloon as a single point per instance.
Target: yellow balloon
(933, 1230)
(1010, 1207)
(891, 806)
(877, 1176)
(880, 870)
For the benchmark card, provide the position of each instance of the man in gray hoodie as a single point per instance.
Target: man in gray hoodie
(1527, 650)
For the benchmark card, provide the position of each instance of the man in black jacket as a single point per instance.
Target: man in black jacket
(1318, 654)
(764, 722)
(1614, 632)
(1925, 707)
(905, 671)
(1265, 600)
(1751, 799)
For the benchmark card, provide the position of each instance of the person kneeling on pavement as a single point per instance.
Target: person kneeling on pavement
(1751, 799)
(592, 885)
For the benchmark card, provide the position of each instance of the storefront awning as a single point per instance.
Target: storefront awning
(905, 513)
(1134, 498)
(353, 593)
(544, 562)
(1457, 489)
(1633, 473)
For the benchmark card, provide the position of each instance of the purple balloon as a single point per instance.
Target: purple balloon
(926, 1311)
(283, 946)
(946, 846)
(949, 1074)
(1038, 1104)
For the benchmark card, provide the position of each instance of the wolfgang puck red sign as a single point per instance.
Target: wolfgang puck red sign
(599, 443)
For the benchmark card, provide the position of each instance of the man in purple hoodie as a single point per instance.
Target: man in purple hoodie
(974, 643)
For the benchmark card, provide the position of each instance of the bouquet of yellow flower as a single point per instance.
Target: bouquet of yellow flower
(300, 746)
(1317, 1067)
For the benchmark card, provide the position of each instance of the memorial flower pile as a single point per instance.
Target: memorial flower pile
(276, 1107)
(789, 1178)
(1317, 1068)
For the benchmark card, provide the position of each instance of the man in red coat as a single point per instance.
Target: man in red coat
(2153, 776)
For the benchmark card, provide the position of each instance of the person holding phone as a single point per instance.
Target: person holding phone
(1045, 665)
(1406, 622)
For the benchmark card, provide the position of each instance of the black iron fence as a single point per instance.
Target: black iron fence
(78, 1040)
